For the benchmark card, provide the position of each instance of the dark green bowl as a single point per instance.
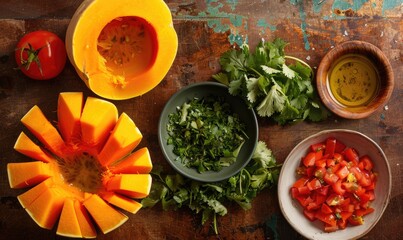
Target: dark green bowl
(238, 106)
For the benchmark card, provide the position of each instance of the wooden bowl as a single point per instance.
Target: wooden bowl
(351, 94)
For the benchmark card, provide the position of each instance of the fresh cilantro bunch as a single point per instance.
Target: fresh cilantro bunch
(268, 84)
(209, 199)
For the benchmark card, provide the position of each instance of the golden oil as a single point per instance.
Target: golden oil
(353, 80)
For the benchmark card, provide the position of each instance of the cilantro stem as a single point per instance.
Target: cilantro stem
(215, 224)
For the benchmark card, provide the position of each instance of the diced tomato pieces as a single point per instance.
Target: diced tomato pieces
(330, 228)
(337, 188)
(300, 182)
(314, 184)
(309, 159)
(330, 162)
(317, 147)
(338, 157)
(352, 155)
(357, 172)
(320, 172)
(334, 199)
(363, 212)
(368, 165)
(319, 155)
(365, 180)
(339, 147)
(355, 220)
(294, 192)
(310, 171)
(310, 215)
(304, 190)
(330, 178)
(326, 218)
(326, 209)
(336, 185)
(330, 146)
(323, 190)
(351, 187)
(320, 163)
(320, 199)
(342, 172)
(312, 206)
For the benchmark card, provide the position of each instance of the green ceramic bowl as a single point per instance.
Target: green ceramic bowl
(246, 115)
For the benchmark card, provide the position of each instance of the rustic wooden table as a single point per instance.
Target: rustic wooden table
(206, 29)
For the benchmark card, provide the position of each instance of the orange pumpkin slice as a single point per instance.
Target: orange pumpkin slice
(126, 52)
(84, 221)
(26, 174)
(106, 217)
(32, 194)
(39, 125)
(97, 120)
(132, 185)
(122, 202)
(75, 167)
(27, 147)
(46, 209)
(69, 107)
(123, 139)
(137, 162)
(68, 223)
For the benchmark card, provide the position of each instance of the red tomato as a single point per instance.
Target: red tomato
(40, 55)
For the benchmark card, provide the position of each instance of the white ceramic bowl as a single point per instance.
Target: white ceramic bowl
(292, 210)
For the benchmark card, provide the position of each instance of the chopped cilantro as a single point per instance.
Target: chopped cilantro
(206, 134)
(274, 89)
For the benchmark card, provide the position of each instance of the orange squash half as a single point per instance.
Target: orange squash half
(121, 49)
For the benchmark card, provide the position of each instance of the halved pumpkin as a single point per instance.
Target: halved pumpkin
(124, 49)
(73, 178)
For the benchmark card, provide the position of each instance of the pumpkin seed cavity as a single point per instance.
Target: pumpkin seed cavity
(83, 171)
(128, 46)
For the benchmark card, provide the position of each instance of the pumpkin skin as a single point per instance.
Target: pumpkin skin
(101, 44)
(76, 183)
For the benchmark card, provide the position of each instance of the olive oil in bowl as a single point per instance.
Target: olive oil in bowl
(353, 80)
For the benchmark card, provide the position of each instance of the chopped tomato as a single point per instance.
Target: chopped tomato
(309, 160)
(352, 155)
(317, 147)
(314, 184)
(330, 147)
(330, 178)
(367, 163)
(342, 172)
(336, 185)
(339, 147)
(309, 214)
(337, 188)
(300, 182)
(356, 220)
(326, 209)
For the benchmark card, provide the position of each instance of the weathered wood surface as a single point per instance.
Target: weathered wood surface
(206, 29)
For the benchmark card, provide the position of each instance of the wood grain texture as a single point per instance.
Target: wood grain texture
(205, 30)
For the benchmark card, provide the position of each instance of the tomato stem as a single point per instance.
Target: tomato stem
(32, 57)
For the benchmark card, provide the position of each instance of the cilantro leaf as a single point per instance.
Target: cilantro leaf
(273, 102)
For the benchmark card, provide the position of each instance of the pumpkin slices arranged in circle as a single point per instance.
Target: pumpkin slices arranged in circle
(85, 172)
